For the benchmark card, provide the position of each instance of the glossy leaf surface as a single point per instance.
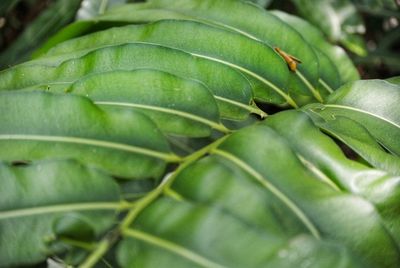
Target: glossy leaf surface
(230, 88)
(259, 62)
(335, 54)
(295, 186)
(374, 104)
(177, 106)
(36, 199)
(200, 236)
(134, 144)
(325, 159)
(136, 150)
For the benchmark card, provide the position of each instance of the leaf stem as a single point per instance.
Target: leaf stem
(251, 108)
(312, 89)
(325, 85)
(183, 114)
(168, 157)
(139, 205)
(303, 217)
(172, 247)
(281, 92)
(100, 250)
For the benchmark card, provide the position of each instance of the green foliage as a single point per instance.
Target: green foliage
(165, 94)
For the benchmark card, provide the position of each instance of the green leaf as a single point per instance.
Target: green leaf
(265, 69)
(394, 80)
(322, 210)
(358, 138)
(177, 106)
(236, 192)
(339, 20)
(224, 14)
(230, 88)
(277, 193)
(81, 130)
(324, 158)
(337, 57)
(228, 14)
(34, 197)
(200, 236)
(373, 104)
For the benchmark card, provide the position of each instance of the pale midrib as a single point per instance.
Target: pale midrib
(171, 247)
(317, 172)
(186, 115)
(299, 73)
(98, 143)
(325, 85)
(268, 83)
(268, 185)
(59, 208)
(249, 108)
(310, 87)
(363, 112)
(254, 75)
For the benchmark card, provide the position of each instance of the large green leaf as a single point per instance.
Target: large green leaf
(335, 54)
(230, 88)
(228, 14)
(279, 193)
(124, 143)
(321, 209)
(358, 138)
(266, 70)
(178, 106)
(40, 202)
(394, 80)
(325, 159)
(372, 103)
(200, 236)
(225, 14)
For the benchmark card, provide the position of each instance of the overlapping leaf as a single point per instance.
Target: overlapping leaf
(318, 207)
(265, 69)
(225, 14)
(325, 159)
(373, 104)
(230, 88)
(123, 143)
(330, 56)
(178, 106)
(276, 194)
(40, 203)
(194, 235)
